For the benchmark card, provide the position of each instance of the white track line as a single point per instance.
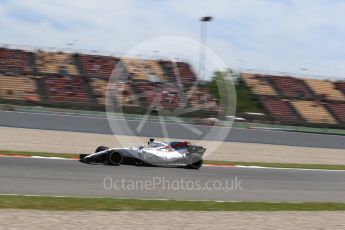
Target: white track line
(52, 158)
(144, 199)
(205, 165)
(304, 169)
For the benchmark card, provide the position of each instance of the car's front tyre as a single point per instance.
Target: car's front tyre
(114, 158)
(83, 159)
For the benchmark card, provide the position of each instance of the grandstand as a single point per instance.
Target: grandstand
(99, 88)
(200, 99)
(18, 88)
(291, 87)
(338, 109)
(97, 65)
(124, 94)
(259, 85)
(281, 110)
(340, 86)
(313, 112)
(55, 63)
(178, 72)
(65, 90)
(325, 89)
(14, 61)
(144, 70)
(291, 100)
(163, 96)
(80, 79)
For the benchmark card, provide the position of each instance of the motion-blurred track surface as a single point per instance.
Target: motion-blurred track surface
(72, 178)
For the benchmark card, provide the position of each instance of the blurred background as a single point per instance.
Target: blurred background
(75, 80)
(285, 72)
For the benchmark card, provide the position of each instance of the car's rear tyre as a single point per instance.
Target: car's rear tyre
(101, 148)
(194, 161)
(114, 158)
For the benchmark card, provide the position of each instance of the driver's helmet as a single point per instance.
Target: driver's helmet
(179, 145)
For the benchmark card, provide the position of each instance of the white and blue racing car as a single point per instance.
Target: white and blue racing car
(155, 153)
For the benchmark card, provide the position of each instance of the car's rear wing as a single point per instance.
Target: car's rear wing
(196, 149)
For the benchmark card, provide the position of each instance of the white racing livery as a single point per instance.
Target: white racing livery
(155, 153)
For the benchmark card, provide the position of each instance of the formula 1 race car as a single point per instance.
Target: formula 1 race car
(173, 154)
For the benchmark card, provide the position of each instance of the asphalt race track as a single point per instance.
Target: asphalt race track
(178, 131)
(72, 178)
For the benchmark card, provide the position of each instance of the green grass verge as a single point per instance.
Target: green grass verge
(276, 165)
(42, 154)
(110, 204)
